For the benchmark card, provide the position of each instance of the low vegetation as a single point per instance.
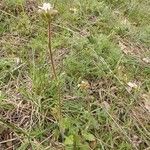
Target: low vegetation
(101, 52)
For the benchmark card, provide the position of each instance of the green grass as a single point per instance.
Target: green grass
(103, 43)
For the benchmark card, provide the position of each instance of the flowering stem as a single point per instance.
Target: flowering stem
(50, 49)
(54, 72)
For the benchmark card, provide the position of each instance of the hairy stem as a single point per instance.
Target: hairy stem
(54, 72)
(50, 50)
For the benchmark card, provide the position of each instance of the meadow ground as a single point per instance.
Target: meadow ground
(102, 55)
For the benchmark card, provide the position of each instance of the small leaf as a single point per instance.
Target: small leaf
(69, 140)
(89, 136)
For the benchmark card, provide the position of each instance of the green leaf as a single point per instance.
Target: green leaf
(89, 136)
(69, 140)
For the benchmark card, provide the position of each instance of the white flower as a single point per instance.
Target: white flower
(74, 10)
(46, 7)
(132, 85)
(84, 85)
(17, 60)
(147, 60)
